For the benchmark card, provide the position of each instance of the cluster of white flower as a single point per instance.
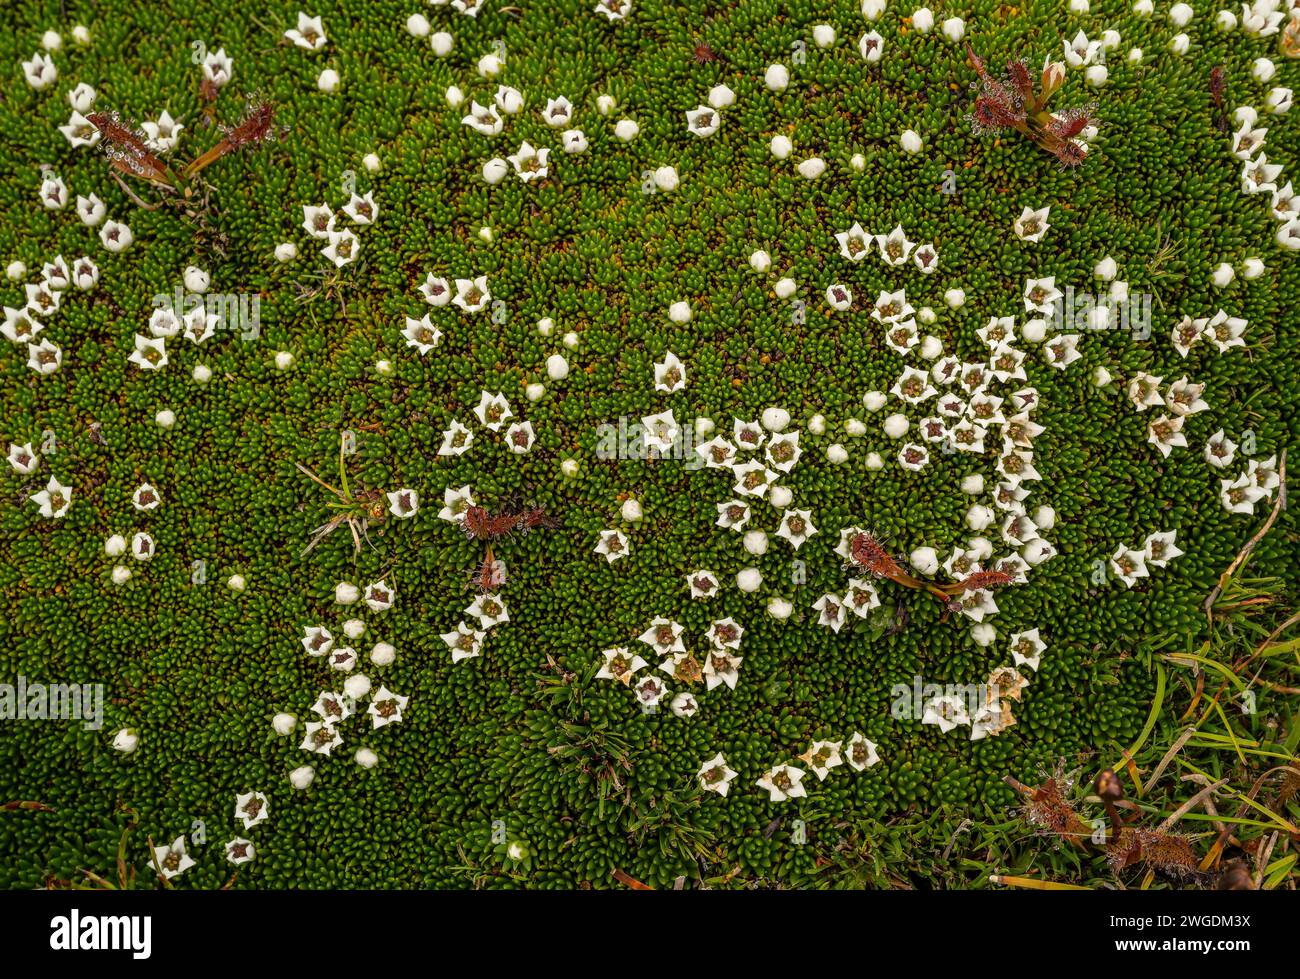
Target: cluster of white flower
(197, 324)
(161, 135)
(141, 548)
(251, 809)
(80, 131)
(1258, 175)
(341, 245)
(992, 716)
(492, 412)
(961, 419)
(489, 609)
(332, 708)
(40, 71)
(860, 599)
(1263, 18)
(43, 299)
(721, 664)
(308, 35)
(472, 295)
(1222, 330)
(754, 479)
(1090, 54)
(529, 163)
(1256, 483)
(783, 782)
(1132, 563)
(1182, 398)
(894, 249)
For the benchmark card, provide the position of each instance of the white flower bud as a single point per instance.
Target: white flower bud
(925, 560)
(126, 741)
(776, 78)
(775, 419)
(779, 608)
(979, 517)
(196, 280)
(812, 168)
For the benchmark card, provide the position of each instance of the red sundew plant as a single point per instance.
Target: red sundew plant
(128, 151)
(867, 552)
(480, 524)
(1048, 807)
(490, 575)
(702, 54)
(1013, 103)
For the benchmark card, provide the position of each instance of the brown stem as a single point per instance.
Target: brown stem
(207, 159)
(1278, 506)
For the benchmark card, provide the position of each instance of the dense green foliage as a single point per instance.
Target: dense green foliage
(198, 670)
